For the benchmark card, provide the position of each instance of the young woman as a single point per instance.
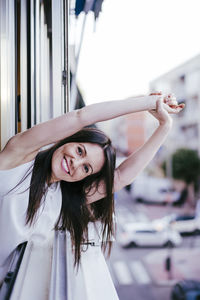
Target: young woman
(72, 182)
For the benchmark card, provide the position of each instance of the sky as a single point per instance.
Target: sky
(135, 41)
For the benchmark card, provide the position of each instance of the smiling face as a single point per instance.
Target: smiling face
(75, 161)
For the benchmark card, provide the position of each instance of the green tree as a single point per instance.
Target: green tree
(186, 166)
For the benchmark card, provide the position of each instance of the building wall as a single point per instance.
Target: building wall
(184, 81)
(135, 130)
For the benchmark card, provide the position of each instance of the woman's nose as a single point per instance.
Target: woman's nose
(76, 163)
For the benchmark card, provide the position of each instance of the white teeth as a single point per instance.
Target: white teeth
(65, 165)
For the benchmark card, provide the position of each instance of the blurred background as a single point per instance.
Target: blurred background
(92, 51)
(137, 47)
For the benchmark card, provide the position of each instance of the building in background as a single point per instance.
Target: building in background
(131, 131)
(184, 82)
(136, 127)
(128, 133)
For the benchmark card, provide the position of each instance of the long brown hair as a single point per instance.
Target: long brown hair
(75, 213)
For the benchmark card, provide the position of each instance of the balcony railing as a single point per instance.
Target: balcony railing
(47, 271)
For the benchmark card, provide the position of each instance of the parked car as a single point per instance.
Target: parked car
(154, 190)
(186, 289)
(147, 234)
(184, 224)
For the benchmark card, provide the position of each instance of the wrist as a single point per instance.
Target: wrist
(167, 125)
(152, 101)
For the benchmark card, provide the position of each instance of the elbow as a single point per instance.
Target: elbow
(12, 143)
(118, 181)
(15, 144)
(122, 179)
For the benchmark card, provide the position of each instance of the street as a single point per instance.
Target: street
(139, 272)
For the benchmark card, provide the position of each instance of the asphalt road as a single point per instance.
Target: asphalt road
(132, 278)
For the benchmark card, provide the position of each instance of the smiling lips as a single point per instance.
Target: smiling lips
(65, 166)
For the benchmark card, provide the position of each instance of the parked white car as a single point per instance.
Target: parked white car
(153, 189)
(186, 224)
(147, 234)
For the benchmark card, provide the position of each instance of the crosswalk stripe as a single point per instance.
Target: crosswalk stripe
(139, 272)
(122, 273)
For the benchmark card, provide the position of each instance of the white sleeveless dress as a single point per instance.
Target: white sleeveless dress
(13, 207)
(41, 271)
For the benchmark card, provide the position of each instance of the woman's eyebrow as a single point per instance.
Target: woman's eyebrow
(86, 154)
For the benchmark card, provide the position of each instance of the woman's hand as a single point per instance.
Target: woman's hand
(161, 114)
(170, 103)
(166, 105)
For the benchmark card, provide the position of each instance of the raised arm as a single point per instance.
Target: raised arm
(46, 133)
(136, 162)
(24, 146)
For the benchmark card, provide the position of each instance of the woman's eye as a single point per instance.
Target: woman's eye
(86, 169)
(80, 151)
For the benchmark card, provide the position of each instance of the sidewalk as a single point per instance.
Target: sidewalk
(184, 262)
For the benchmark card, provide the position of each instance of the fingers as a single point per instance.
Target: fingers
(174, 109)
(170, 100)
(178, 106)
(170, 103)
(170, 96)
(155, 94)
(167, 97)
(182, 105)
